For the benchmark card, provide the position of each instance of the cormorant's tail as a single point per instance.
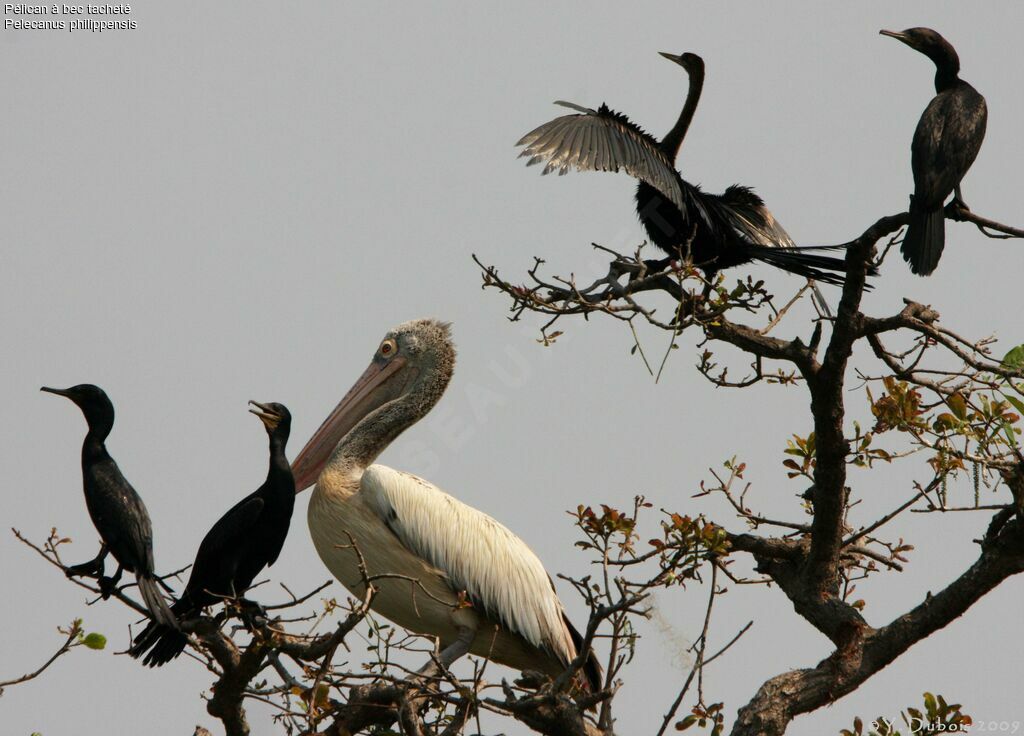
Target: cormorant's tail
(155, 602)
(163, 643)
(592, 668)
(925, 238)
(806, 262)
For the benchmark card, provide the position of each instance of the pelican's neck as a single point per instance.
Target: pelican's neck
(378, 429)
(673, 140)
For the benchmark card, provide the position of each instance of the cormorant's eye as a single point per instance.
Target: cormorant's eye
(388, 348)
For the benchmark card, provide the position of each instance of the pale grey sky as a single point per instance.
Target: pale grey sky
(234, 201)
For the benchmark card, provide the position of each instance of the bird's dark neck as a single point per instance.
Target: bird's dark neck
(279, 474)
(947, 66)
(673, 140)
(93, 448)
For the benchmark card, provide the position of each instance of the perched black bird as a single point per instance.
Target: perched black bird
(246, 539)
(116, 509)
(714, 231)
(946, 142)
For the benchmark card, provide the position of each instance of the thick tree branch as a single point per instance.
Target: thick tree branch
(867, 651)
(828, 410)
(764, 346)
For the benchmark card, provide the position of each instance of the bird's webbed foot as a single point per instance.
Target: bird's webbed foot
(531, 680)
(91, 569)
(957, 209)
(85, 569)
(109, 585)
(657, 265)
(252, 613)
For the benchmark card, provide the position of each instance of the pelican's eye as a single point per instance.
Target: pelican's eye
(388, 348)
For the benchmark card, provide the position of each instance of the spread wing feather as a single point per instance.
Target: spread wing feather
(604, 140)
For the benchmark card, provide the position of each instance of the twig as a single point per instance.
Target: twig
(71, 641)
(984, 224)
(893, 514)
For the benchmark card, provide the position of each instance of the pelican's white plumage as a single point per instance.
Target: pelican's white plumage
(406, 526)
(441, 553)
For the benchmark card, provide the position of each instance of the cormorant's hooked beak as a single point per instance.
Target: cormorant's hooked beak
(898, 35)
(59, 391)
(266, 414)
(373, 389)
(673, 57)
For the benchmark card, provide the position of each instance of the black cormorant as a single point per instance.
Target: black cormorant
(116, 509)
(946, 142)
(715, 231)
(246, 539)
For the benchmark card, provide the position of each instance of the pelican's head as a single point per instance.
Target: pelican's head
(928, 42)
(275, 417)
(692, 63)
(414, 362)
(92, 400)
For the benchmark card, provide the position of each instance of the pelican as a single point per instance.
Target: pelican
(464, 578)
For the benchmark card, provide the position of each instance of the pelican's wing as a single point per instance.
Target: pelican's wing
(746, 214)
(498, 572)
(603, 140)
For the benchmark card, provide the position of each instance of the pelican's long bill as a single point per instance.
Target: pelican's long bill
(373, 389)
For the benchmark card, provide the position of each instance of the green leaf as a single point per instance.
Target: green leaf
(944, 422)
(1008, 430)
(95, 640)
(686, 723)
(1014, 358)
(958, 405)
(1017, 403)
